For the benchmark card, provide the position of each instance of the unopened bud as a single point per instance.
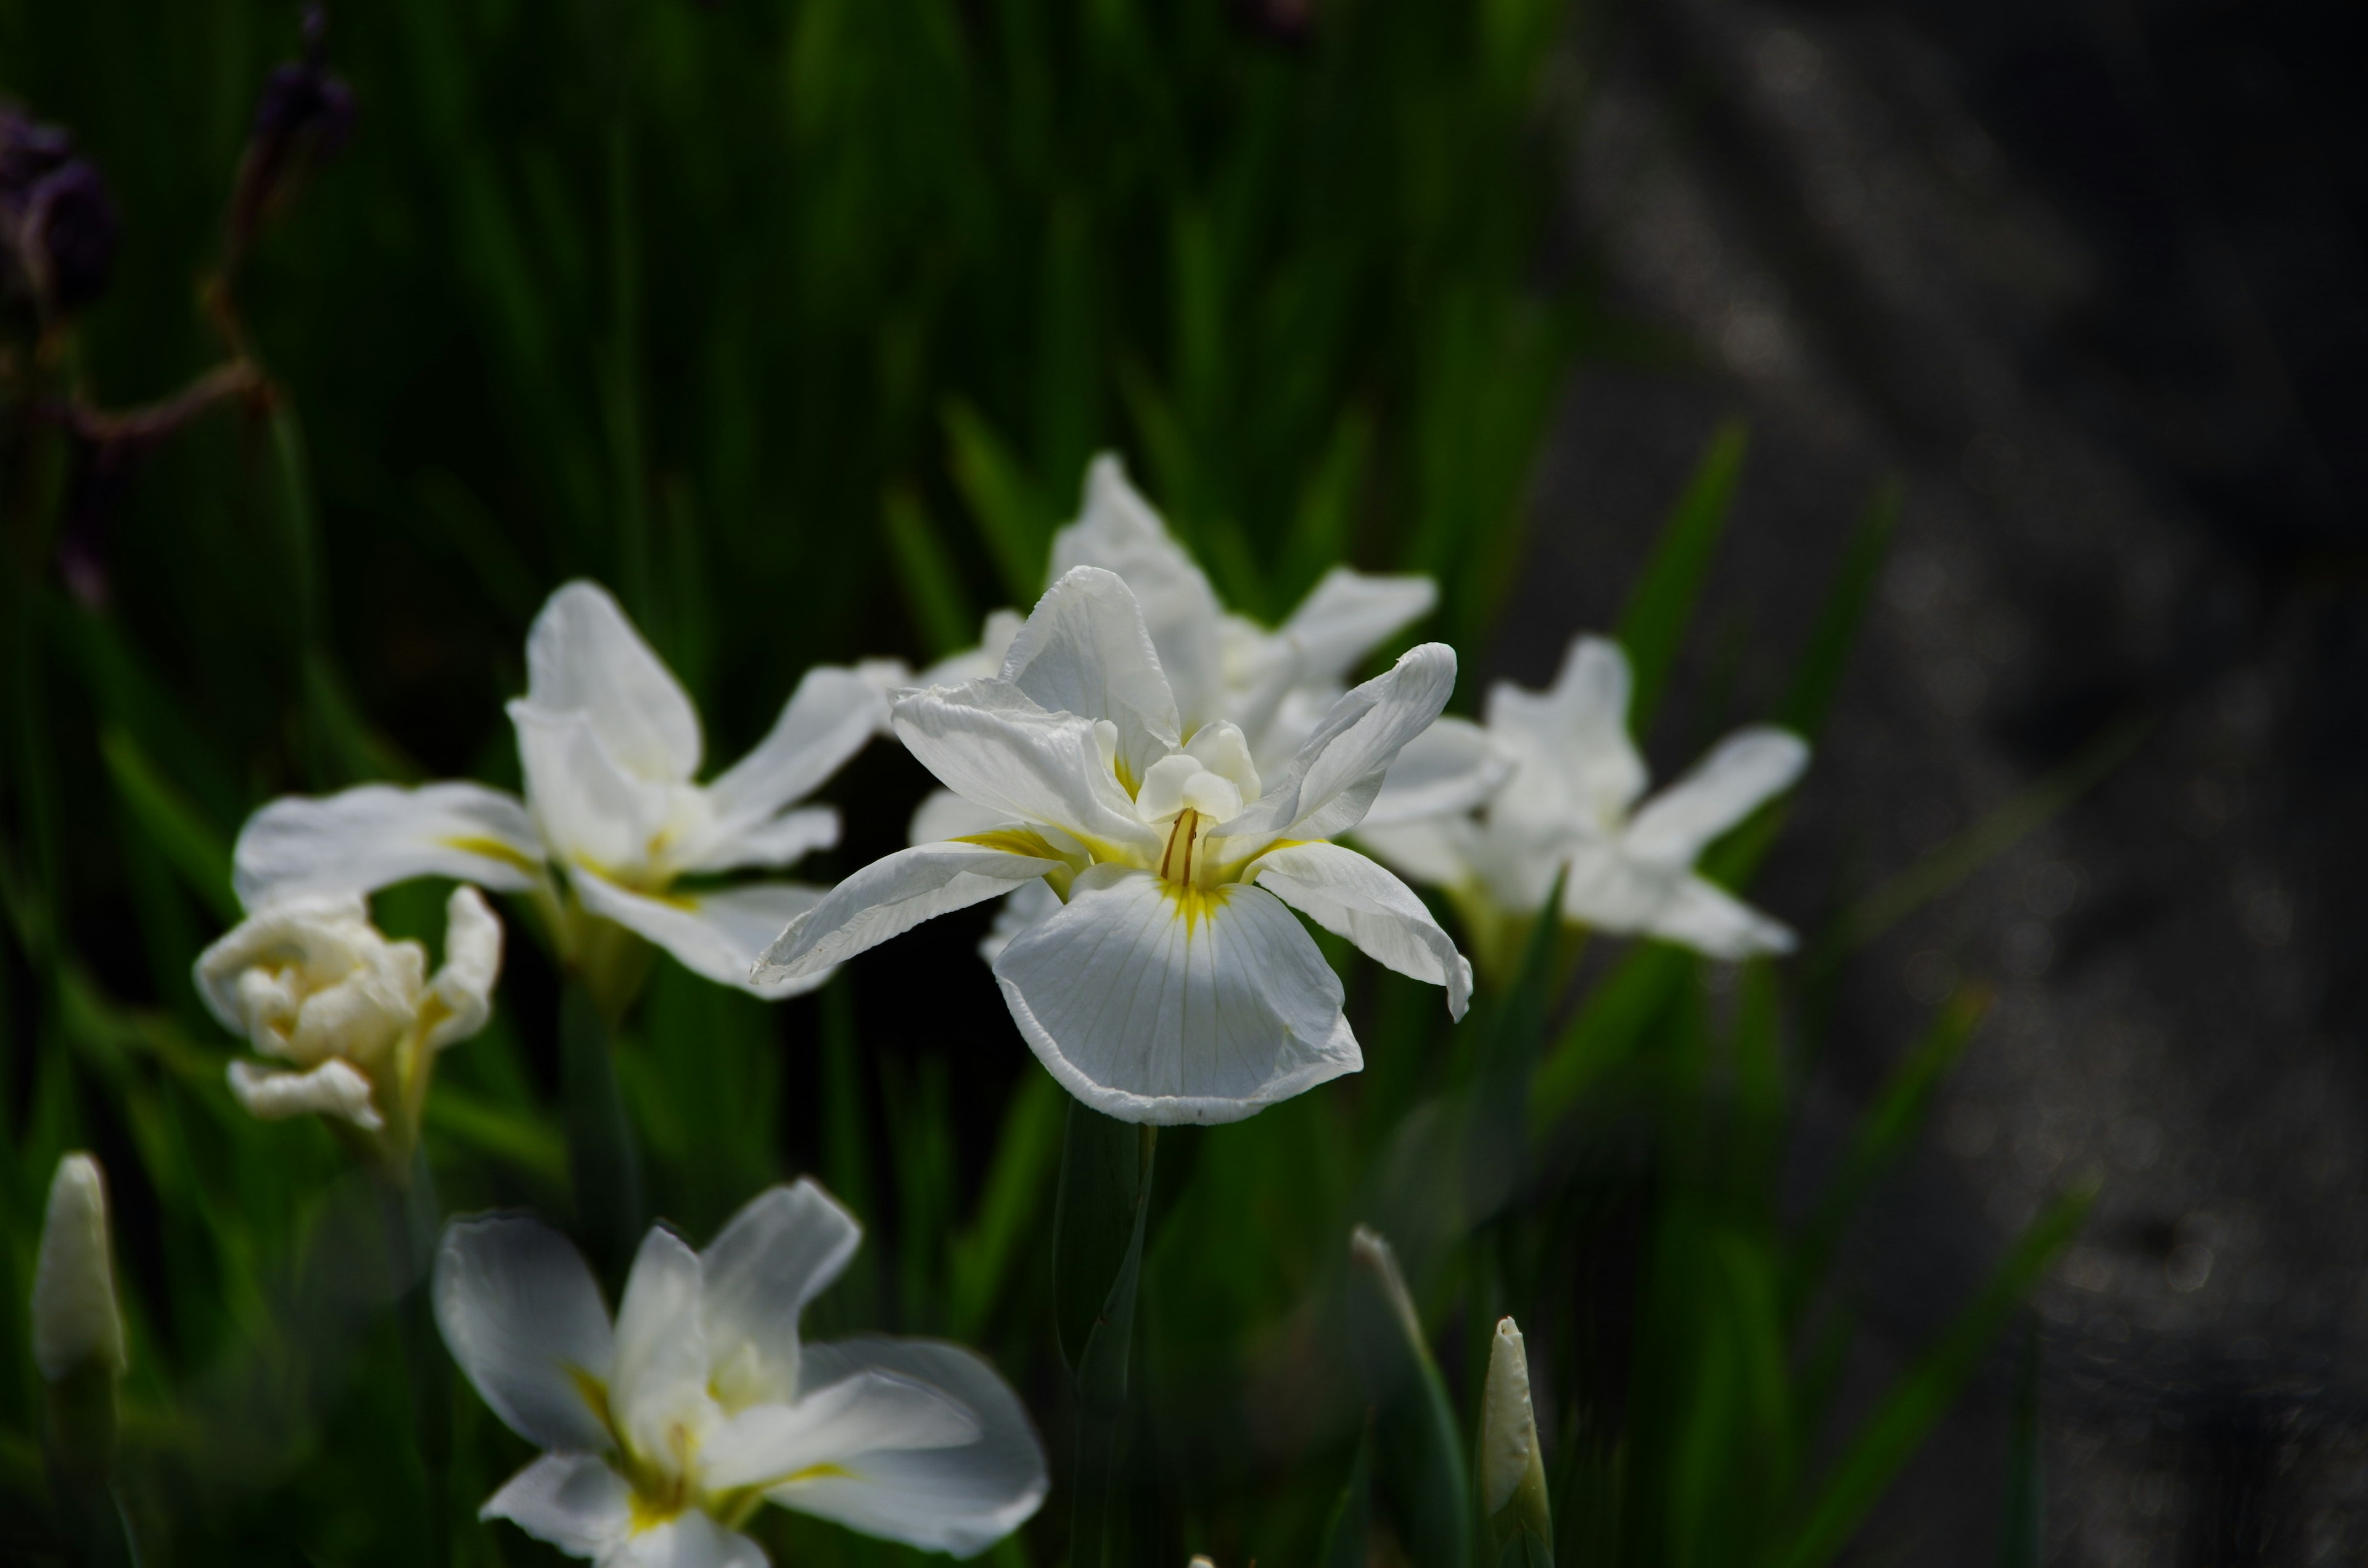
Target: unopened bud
(58, 224)
(1512, 1470)
(76, 1325)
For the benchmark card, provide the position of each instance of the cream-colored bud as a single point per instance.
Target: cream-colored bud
(1512, 1470)
(75, 1324)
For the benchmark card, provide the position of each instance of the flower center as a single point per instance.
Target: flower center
(1180, 859)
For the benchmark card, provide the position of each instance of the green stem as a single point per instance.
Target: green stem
(1104, 1207)
(412, 1218)
(602, 1156)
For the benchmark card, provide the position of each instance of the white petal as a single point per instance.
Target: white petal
(979, 663)
(376, 836)
(869, 1412)
(888, 898)
(718, 934)
(1604, 887)
(1328, 785)
(1086, 651)
(1118, 531)
(661, 1359)
(1442, 851)
(1574, 763)
(575, 1502)
(332, 1089)
(1148, 1015)
(779, 1251)
(689, 1539)
(521, 1315)
(829, 718)
(995, 747)
(1722, 789)
(1712, 921)
(773, 842)
(1451, 766)
(1350, 896)
(942, 815)
(255, 976)
(961, 1500)
(1026, 905)
(586, 804)
(1347, 615)
(583, 656)
(463, 988)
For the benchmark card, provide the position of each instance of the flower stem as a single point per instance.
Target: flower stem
(411, 1217)
(1104, 1206)
(602, 1156)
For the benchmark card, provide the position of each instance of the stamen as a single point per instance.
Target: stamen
(1177, 862)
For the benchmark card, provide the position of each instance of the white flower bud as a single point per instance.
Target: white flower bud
(1512, 1470)
(75, 1324)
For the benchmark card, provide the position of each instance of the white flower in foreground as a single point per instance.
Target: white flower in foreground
(352, 1023)
(76, 1327)
(1172, 985)
(1571, 802)
(668, 1430)
(609, 745)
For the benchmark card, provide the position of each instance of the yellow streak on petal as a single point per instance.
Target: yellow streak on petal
(1013, 841)
(492, 849)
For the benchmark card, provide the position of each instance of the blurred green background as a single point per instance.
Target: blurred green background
(795, 323)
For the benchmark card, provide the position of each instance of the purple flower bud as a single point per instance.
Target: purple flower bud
(28, 151)
(302, 119)
(68, 235)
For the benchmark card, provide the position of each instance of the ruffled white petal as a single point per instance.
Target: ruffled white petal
(870, 1412)
(1575, 761)
(1722, 789)
(1147, 1014)
(660, 1379)
(463, 988)
(942, 815)
(374, 836)
(583, 656)
(826, 721)
(574, 1501)
(1330, 783)
(961, 1500)
(890, 897)
(779, 1251)
(1118, 531)
(1442, 851)
(719, 934)
(522, 1317)
(992, 745)
(334, 1088)
(1451, 766)
(1350, 896)
(1706, 917)
(1347, 614)
(776, 842)
(1084, 650)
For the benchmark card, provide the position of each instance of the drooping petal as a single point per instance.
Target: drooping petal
(890, 897)
(774, 843)
(994, 746)
(587, 806)
(332, 1089)
(522, 1317)
(1086, 651)
(1451, 766)
(1118, 531)
(575, 1502)
(779, 1251)
(870, 1412)
(463, 988)
(660, 1380)
(1347, 614)
(1574, 763)
(942, 815)
(1701, 915)
(1154, 1005)
(961, 1500)
(827, 719)
(1722, 789)
(1442, 851)
(373, 836)
(1350, 896)
(718, 933)
(583, 656)
(689, 1539)
(1333, 780)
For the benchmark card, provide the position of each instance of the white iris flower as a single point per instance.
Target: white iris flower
(666, 1431)
(609, 745)
(1571, 804)
(351, 1022)
(1172, 985)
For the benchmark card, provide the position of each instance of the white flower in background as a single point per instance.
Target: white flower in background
(1571, 804)
(351, 1022)
(1274, 685)
(609, 745)
(76, 1327)
(1172, 985)
(666, 1432)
